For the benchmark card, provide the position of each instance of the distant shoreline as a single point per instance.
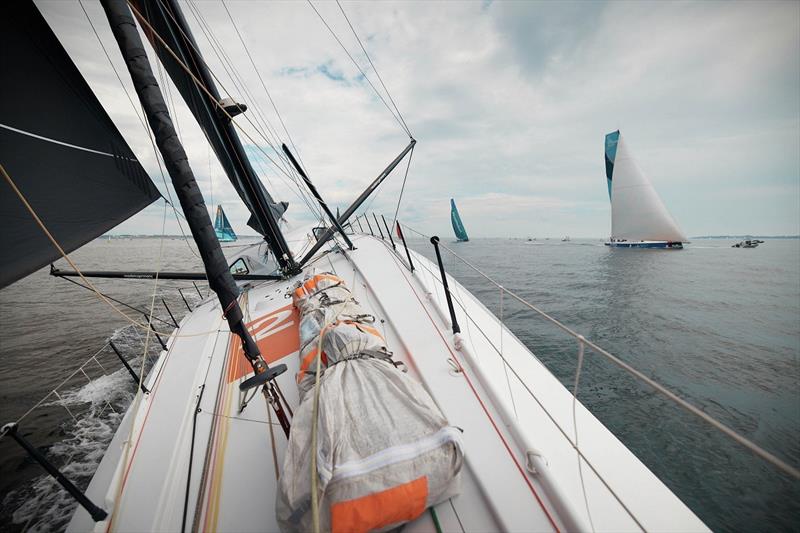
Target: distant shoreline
(522, 238)
(747, 237)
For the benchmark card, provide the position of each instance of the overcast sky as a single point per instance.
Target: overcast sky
(509, 102)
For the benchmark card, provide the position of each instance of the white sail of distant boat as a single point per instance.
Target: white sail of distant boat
(639, 218)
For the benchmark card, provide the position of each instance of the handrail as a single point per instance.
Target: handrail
(750, 445)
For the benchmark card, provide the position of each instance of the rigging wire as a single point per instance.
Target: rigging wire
(403, 187)
(169, 199)
(373, 68)
(344, 48)
(200, 84)
(263, 85)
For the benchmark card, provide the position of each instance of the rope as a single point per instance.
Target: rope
(58, 246)
(139, 393)
(750, 445)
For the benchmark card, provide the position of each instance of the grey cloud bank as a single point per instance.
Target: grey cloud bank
(509, 103)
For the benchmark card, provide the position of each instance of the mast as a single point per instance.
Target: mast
(169, 34)
(219, 276)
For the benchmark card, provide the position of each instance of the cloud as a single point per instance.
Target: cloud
(509, 101)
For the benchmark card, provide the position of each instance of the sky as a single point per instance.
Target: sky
(509, 103)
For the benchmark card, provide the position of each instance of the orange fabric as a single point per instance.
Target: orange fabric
(399, 504)
(276, 335)
(306, 362)
(306, 287)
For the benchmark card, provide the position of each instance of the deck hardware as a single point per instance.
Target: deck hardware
(377, 224)
(189, 307)
(403, 238)
(455, 367)
(160, 340)
(132, 372)
(96, 512)
(200, 294)
(359, 225)
(170, 312)
(435, 242)
(358, 201)
(388, 232)
(368, 224)
(185, 276)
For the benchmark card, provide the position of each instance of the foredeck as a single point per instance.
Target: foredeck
(521, 472)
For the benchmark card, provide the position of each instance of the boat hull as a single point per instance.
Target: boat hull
(660, 245)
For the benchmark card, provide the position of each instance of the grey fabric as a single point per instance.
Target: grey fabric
(378, 428)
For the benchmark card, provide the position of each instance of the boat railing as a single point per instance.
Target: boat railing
(582, 344)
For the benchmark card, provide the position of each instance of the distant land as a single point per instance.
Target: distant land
(165, 236)
(517, 238)
(747, 237)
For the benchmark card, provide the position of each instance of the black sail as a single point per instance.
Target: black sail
(59, 147)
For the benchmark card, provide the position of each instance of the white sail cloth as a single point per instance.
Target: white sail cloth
(637, 212)
(384, 450)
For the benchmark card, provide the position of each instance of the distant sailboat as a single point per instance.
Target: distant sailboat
(638, 216)
(458, 226)
(222, 227)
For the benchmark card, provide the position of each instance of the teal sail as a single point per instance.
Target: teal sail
(222, 227)
(612, 139)
(458, 226)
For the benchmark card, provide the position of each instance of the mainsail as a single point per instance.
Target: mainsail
(458, 226)
(222, 227)
(59, 147)
(637, 212)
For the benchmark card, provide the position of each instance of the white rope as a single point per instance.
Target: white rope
(750, 445)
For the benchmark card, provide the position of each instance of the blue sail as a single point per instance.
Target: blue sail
(612, 139)
(222, 227)
(458, 226)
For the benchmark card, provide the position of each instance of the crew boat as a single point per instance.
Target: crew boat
(639, 218)
(335, 380)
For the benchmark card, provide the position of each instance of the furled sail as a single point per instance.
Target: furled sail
(637, 212)
(59, 147)
(222, 227)
(458, 226)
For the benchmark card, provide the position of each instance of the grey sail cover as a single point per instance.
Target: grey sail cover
(59, 147)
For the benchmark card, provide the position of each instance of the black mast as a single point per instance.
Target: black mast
(169, 33)
(219, 277)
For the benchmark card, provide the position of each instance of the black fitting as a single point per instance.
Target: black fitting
(96, 512)
(435, 243)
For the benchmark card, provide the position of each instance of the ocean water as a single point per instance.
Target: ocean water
(717, 325)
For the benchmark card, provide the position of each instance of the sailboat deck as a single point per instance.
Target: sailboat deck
(521, 472)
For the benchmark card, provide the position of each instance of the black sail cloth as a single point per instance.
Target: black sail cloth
(59, 147)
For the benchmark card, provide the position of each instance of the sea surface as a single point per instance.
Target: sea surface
(717, 325)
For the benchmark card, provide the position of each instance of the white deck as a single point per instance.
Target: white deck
(233, 477)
